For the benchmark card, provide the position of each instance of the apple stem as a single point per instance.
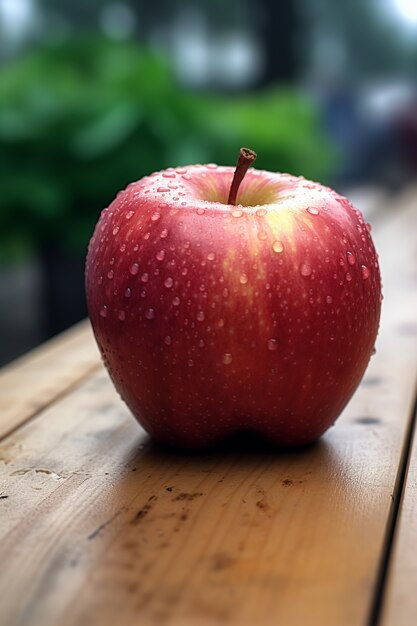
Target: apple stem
(245, 160)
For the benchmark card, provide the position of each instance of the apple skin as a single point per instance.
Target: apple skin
(213, 319)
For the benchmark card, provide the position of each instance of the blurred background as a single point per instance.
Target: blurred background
(96, 94)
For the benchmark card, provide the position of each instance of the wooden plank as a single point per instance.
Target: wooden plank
(400, 602)
(30, 383)
(101, 527)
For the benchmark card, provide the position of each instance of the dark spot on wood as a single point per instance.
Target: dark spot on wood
(184, 517)
(134, 469)
(104, 525)
(3, 497)
(141, 514)
(188, 497)
(287, 482)
(169, 488)
(221, 561)
(368, 420)
(261, 504)
(372, 381)
(151, 498)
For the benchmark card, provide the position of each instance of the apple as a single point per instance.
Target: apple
(214, 317)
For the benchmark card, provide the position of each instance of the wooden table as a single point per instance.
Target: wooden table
(98, 526)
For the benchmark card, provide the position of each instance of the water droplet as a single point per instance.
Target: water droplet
(122, 247)
(134, 269)
(329, 299)
(212, 166)
(181, 170)
(103, 311)
(272, 345)
(160, 255)
(225, 292)
(155, 216)
(145, 277)
(190, 362)
(168, 174)
(116, 230)
(110, 274)
(168, 340)
(261, 212)
(164, 233)
(176, 301)
(368, 227)
(243, 279)
(277, 246)
(129, 214)
(121, 315)
(237, 213)
(341, 262)
(100, 280)
(150, 314)
(348, 277)
(305, 269)
(227, 358)
(128, 292)
(365, 272)
(200, 316)
(211, 256)
(312, 210)
(220, 323)
(262, 235)
(162, 189)
(200, 211)
(168, 282)
(351, 258)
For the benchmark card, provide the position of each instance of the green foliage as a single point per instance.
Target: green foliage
(81, 120)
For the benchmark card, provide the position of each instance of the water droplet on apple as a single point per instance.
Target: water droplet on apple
(128, 292)
(181, 170)
(243, 279)
(160, 255)
(168, 340)
(155, 216)
(168, 174)
(150, 314)
(164, 233)
(145, 277)
(190, 362)
(305, 269)
(176, 301)
(261, 212)
(200, 316)
(368, 227)
(211, 256)
(220, 323)
(365, 272)
(103, 311)
(121, 315)
(329, 299)
(122, 247)
(348, 277)
(237, 213)
(341, 262)
(312, 210)
(162, 190)
(134, 269)
(277, 246)
(168, 282)
(225, 292)
(227, 358)
(129, 214)
(351, 258)
(200, 211)
(100, 280)
(262, 235)
(116, 230)
(110, 274)
(212, 166)
(272, 345)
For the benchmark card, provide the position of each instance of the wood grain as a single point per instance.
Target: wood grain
(33, 381)
(99, 526)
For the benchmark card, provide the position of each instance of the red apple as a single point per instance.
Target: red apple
(214, 318)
